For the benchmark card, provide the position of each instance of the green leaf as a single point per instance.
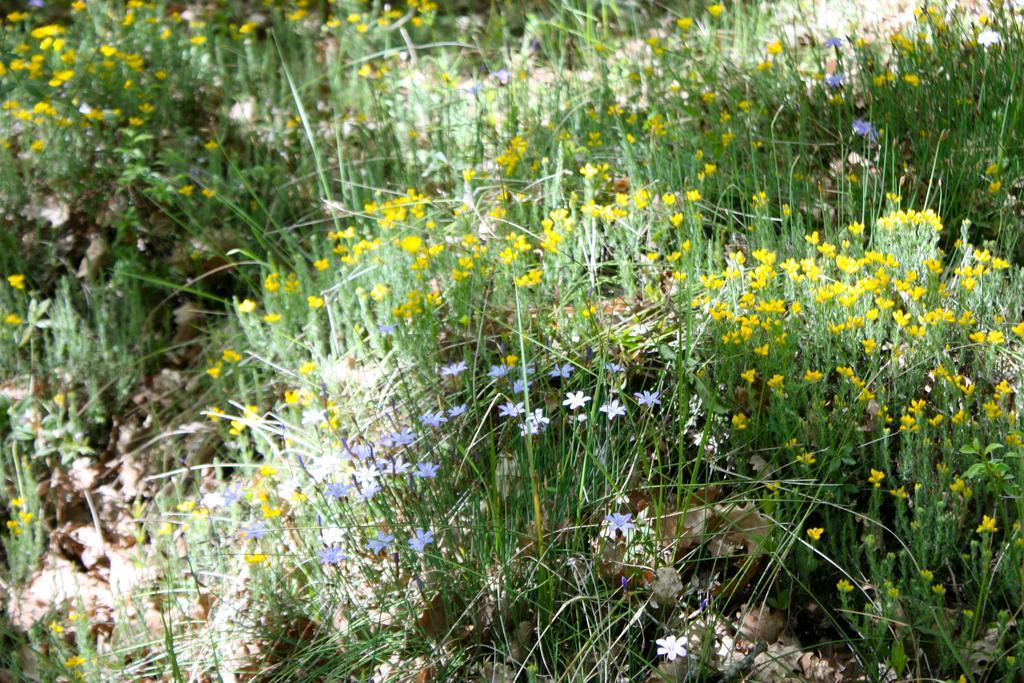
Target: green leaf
(898, 657)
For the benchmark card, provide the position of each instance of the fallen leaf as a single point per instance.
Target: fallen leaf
(760, 624)
(667, 586)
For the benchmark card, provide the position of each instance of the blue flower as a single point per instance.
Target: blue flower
(254, 530)
(403, 438)
(834, 80)
(332, 555)
(562, 371)
(426, 470)
(834, 41)
(433, 419)
(453, 369)
(498, 371)
(618, 521)
(421, 540)
(338, 490)
(398, 466)
(865, 129)
(519, 386)
(455, 411)
(362, 451)
(381, 543)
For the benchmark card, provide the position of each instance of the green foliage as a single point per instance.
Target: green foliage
(793, 267)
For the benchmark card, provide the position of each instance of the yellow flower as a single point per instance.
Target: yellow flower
(16, 281)
(271, 318)
(588, 171)
(815, 533)
(231, 356)
(247, 306)
(775, 48)
(72, 662)
(315, 301)
(812, 376)
(411, 244)
(988, 525)
(716, 10)
(869, 345)
(749, 375)
(844, 586)
(807, 458)
(876, 478)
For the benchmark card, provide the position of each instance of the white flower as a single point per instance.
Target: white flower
(323, 467)
(575, 400)
(366, 475)
(648, 398)
(988, 38)
(332, 535)
(213, 500)
(672, 647)
(510, 409)
(534, 423)
(313, 416)
(613, 409)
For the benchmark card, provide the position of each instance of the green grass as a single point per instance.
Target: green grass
(245, 251)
